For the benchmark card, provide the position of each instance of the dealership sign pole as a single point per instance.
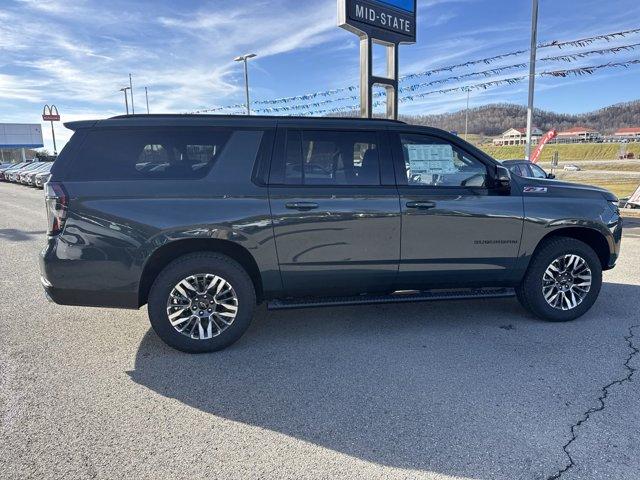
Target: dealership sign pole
(389, 23)
(50, 114)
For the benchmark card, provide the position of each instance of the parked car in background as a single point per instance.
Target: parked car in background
(572, 168)
(15, 175)
(28, 178)
(42, 177)
(524, 168)
(5, 173)
(201, 217)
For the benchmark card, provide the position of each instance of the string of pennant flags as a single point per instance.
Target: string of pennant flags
(575, 56)
(485, 85)
(328, 94)
(583, 42)
(410, 88)
(416, 87)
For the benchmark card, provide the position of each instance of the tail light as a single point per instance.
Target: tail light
(57, 202)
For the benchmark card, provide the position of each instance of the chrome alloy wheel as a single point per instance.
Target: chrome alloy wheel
(202, 306)
(566, 282)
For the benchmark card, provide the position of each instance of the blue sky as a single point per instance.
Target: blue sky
(78, 54)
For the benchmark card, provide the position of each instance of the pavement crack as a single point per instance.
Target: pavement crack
(601, 402)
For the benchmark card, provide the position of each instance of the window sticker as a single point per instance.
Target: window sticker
(431, 159)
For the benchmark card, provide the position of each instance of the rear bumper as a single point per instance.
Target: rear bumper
(87, 298)
(68, 281)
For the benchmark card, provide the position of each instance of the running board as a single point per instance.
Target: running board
(397, 297)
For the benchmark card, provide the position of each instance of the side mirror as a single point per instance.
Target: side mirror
(551, 176)
(502, 179)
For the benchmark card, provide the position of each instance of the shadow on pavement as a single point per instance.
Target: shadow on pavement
(14, 235)
(475, 389)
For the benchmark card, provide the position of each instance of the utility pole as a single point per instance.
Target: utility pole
(532, 74)
(146, 96)
(133, 109)
(244, 58)
(466, 117)
(126, 100)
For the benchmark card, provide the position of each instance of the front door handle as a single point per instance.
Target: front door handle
(301, 205)
(421, 205)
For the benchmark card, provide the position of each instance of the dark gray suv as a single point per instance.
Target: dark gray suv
(204, 217)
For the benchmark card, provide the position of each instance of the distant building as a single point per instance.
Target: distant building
(631, 134)
(518, 136)
(579, 135)
(15, 138)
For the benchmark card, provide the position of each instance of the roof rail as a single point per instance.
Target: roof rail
(260, 117)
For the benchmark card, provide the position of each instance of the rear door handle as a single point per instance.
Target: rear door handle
(421, 205)
(301, 205)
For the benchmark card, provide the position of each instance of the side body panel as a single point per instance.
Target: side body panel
(564, 206)
(464, 236)
(114, 227)
(348, 243)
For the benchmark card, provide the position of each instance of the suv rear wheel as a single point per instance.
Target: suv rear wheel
(202, 302)
(563, 280)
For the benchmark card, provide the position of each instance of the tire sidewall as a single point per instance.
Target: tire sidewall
(193, 265)
(533, 282)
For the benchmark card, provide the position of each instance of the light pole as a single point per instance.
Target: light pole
(244, 58)
(126, 100)
(532, 74)
(466, 117)
(146, 96)
(133, 109)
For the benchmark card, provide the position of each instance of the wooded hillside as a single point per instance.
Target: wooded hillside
(496, 118)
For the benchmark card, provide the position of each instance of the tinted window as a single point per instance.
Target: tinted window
(520, 170)
(537, 171)
(331, 158)
(434, 162)
(148, 153)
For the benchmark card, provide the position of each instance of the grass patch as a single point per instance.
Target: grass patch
(566, 152)
(622, 187)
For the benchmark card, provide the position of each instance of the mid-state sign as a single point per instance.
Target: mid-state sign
(392, 21)
(389, 23)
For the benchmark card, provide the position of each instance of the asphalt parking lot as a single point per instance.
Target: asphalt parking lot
(464, 390)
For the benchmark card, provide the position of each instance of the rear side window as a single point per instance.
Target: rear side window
(331, 158)
(520, 170)
(149, 153)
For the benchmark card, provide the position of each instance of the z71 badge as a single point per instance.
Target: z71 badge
(535, 189)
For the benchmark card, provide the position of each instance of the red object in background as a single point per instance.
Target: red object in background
(550, 135)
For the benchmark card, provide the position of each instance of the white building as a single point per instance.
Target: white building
(518, 136)
(631, 134)
(14, 136)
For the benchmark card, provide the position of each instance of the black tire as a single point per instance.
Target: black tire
(530, 294)
(194, 264)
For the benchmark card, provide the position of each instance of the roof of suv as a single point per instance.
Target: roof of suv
(236, 120)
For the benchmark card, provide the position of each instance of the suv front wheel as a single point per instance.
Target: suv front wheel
(563, 280)
(201, 302)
